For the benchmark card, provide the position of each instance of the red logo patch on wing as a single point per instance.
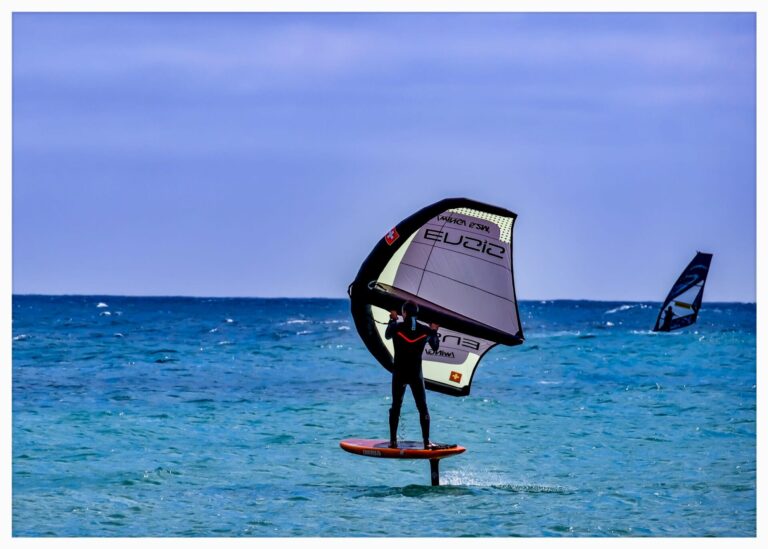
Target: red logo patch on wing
(391, 236)
(455, 377)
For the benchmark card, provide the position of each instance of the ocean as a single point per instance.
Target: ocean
(193, 417)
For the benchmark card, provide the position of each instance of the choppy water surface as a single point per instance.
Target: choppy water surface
(222, 417)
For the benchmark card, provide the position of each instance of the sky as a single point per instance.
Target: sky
(265, 154)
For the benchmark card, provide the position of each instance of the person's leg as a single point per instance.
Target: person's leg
(420, 396)
(398, 391)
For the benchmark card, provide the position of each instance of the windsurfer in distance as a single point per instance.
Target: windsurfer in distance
(409, 338)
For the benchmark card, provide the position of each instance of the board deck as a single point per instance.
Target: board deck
(406, 449)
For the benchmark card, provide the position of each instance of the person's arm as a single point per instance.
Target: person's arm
(391, 326)
(434, 339)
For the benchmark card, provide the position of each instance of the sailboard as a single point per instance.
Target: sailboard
(453, 259)
(685, 297)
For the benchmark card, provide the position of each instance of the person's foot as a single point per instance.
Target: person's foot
(393, 444)
(434, 446)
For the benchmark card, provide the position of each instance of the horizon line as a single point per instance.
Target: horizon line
(181, 296)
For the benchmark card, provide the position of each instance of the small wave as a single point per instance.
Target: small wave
(158, 475)
(101, 305)
(619, 309)
(303, 332)
(497, 481)
(609, 324)
(562, 333)
(105, 313)
(343, 328)
(118, 334)
(297, 321)
(534, 488)
(20, 337)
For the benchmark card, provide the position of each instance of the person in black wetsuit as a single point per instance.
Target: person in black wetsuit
(409, 338)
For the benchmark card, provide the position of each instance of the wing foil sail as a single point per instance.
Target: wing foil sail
(454, 259)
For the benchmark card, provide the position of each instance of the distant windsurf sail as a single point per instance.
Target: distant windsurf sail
(681, 307)
(454, 260)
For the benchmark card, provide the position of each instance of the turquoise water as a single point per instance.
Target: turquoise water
(222, 417)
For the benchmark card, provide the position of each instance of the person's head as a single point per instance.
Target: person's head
(410, 309)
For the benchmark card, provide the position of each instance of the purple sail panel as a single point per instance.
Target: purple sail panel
(460, 262)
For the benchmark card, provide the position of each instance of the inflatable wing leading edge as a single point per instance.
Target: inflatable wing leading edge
(454, 260)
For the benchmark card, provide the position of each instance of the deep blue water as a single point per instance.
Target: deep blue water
(222, 417)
